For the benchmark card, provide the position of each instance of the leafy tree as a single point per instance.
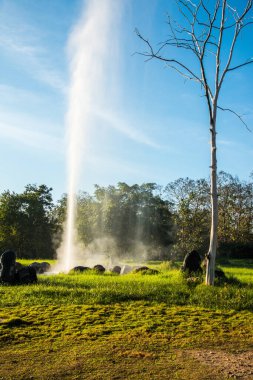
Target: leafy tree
(210, 33)
(191, 214)
(235, 212)
(127, 215)
(27, 224)
(87, 217)
(59, 212)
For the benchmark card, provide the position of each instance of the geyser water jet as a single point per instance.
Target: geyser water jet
(92, 52)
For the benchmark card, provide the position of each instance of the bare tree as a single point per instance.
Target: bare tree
(210, 34)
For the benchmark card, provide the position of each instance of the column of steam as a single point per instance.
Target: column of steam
(90, 55)
(73, 168)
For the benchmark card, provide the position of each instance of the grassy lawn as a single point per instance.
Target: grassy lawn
(90, 326)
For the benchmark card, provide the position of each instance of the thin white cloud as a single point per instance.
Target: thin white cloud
(33, 139)
(121, 124)
(30, 132)
(22, 44)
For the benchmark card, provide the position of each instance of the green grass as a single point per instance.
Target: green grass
(184, 326)
(121, 341)
(168, 287)
(91, 326)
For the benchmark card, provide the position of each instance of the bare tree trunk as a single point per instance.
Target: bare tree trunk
(210, 269)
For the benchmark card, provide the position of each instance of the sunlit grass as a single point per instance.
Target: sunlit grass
(186, 326)
(168, 287)
(91, 325)
(133, 339)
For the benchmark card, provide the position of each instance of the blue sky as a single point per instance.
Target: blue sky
(157, 124)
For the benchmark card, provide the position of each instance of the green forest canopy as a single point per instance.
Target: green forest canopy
(168, 221)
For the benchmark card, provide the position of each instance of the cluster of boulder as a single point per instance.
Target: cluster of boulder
(80, 269)
(13, 272)
(193, 266)
(116, 269)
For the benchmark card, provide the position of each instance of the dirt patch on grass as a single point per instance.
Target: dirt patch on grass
(238, 365)
(103, 360)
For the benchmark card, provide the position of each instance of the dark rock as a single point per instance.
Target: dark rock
(80, 269)
(220, 274)
(41, 267)
(15, 273)
(192, 263)
(146, 270)
(18, 265)
(116, 269)
(36, 266)
(26, 275)
(99, 268)
(45, 266)
(8, 267)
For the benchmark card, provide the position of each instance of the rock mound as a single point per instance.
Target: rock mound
(99, 268)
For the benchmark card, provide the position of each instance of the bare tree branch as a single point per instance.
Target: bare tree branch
(237, 115)
(182, 73)
(217, 74)
(241, 65)
(237, 30)
(152, 54)
(199, 36)
(246, 24)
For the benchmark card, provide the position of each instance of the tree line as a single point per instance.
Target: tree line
(167, 222)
